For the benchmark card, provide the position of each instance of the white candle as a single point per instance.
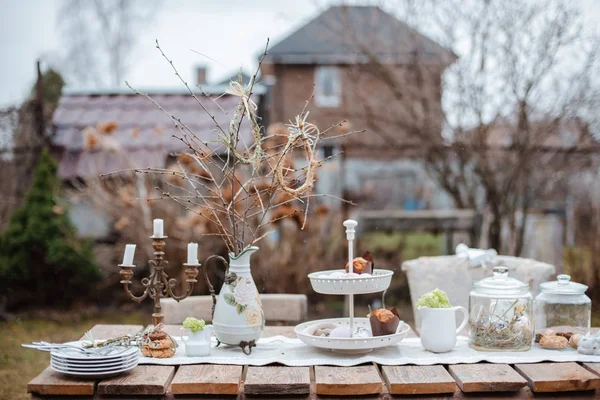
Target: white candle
(158, 228)
(128, 257)
(192, 253)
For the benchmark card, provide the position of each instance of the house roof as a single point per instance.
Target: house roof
(345, 34)
(142, 131)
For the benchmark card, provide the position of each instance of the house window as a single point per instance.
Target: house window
(327, 86)
(328, 151)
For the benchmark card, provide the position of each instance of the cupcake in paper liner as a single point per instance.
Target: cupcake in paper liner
(362, 265)
(384, 322)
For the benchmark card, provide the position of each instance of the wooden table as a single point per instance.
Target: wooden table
(483, 380)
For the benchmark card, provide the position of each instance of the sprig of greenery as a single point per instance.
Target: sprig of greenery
(193, 324)
(435, 299)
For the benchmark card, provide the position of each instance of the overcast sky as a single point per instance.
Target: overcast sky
(232, 32)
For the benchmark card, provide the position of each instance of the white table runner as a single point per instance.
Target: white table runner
(293, 352)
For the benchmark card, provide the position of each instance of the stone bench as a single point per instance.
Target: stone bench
(278, 307)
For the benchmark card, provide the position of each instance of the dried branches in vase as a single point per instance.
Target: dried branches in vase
(240, 183)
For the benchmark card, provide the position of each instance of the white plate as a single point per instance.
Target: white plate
(95, 359)
(94, 375)
(69, 363)
(89, 370)
(94, 367)
(378, 282)
(350, 345)
(93, 370)
(76, 355)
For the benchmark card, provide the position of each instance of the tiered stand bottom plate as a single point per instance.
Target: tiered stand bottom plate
(350, 345)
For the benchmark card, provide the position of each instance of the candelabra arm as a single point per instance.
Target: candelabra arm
(137, 299)
(188, 292)
(191, 273)
(127, 274)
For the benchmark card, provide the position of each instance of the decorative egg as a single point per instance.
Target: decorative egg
(337, 274)
(522, 322)
(351, 275)
(499, 325)
(340, 332)
(366, 275)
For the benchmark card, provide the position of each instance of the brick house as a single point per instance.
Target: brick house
(341, 51)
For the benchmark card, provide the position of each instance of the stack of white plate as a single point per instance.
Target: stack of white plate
(99, 365)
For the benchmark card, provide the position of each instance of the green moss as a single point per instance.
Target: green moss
(435, 299)
(193, 324)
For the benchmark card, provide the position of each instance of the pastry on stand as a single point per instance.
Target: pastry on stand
(384, 322)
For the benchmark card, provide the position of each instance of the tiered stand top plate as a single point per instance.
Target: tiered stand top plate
(378, 282)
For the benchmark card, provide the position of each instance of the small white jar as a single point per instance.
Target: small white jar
(198, 343)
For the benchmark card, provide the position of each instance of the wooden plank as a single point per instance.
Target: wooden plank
(142, 380)
(52, 383)
(347, 380)
(486, 378)
(524, 393)
(102, 331)
(593, 367)
(558, 377)
(416, 379)
(207, 379)
(277, 380)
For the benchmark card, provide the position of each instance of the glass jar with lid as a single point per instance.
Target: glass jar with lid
(500, 313)
(563, 306)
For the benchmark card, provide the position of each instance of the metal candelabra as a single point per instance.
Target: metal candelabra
(158, 285)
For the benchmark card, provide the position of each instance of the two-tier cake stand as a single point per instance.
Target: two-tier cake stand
(332, 282)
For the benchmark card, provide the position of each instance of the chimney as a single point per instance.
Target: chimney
(200, 75)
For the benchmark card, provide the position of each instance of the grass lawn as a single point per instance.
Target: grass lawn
(19, 365)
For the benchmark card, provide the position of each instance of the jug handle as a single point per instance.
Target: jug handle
(465, 318)
(181, 330)
(211, 289)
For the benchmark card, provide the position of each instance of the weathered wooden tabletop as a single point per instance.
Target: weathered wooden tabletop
(499, 381)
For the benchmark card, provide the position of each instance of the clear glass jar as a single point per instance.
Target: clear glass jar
(500, 313)
(563, 306)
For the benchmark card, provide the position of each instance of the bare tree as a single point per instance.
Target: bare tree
(100, 37)
(524, 78)
(23, 135)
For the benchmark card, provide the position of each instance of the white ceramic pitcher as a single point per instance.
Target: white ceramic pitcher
(438, 328)
(197, 344)
(238, 317)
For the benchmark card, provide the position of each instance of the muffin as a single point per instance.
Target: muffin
(384, 322)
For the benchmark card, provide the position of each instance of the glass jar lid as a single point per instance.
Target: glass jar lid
(501, 283)
(563, 285)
